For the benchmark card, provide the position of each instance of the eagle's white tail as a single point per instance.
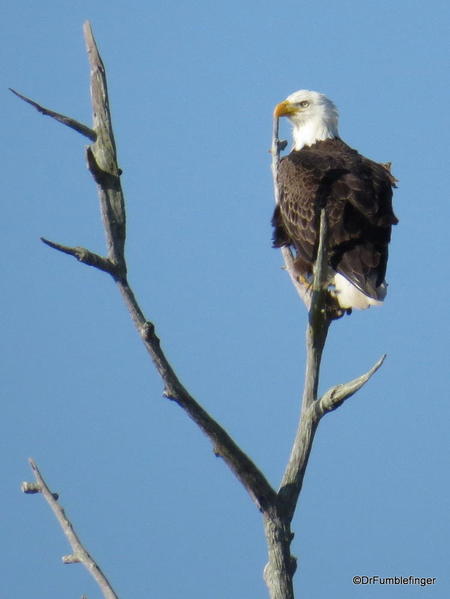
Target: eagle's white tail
(349, 296)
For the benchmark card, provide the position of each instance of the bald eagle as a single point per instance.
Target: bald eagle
(323, 171)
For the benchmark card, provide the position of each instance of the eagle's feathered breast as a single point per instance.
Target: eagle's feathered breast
(357, 195)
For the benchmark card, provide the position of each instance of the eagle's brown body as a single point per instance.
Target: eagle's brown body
(357, 195)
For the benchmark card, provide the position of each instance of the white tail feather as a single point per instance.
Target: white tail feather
(349, 296)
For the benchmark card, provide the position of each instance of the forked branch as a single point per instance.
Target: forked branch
(103, 165)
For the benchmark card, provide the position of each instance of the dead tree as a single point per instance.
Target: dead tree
(277, 506)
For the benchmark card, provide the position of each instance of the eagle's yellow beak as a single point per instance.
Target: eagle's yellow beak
(284, 108)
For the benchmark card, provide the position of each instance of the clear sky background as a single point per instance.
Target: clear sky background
(192, 89)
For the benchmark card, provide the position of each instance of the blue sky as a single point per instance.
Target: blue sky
(192, 88)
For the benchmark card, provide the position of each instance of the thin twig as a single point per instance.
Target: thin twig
(83, 255)
(302, 289)
(61, 118)
(335, 396)
(79, 553)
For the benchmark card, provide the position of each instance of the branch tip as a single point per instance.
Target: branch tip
(87, 257)
(30, 488)
(79, 553)
(61, 118)
(73, 558)
(336, 396)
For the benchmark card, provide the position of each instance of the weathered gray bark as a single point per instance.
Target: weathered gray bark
(277, 507)
(79, 553)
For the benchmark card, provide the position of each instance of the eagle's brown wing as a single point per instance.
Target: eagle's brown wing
(357, 194)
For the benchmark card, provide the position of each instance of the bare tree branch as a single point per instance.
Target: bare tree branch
(335, 396)
(65, 120)
(83, 255)
(113, 209)
(102, 162)
(79, 553)
(316, 335)
(102, 158)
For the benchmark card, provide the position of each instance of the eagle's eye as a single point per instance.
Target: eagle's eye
(303, 104)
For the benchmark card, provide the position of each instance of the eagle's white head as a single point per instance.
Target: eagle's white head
(314, 117)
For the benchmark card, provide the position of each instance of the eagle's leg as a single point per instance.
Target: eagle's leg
(333, 308)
